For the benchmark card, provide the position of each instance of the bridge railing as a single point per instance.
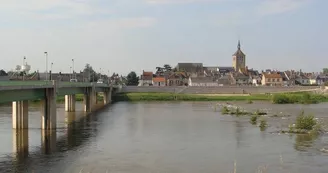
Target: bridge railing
(5, 85)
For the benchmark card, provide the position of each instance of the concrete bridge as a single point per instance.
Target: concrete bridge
(19, 93)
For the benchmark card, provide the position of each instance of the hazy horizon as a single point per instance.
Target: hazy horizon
(124, 35)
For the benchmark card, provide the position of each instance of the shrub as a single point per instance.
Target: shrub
(225, 110)
(305, 122)
(253, 119)
(263, 123)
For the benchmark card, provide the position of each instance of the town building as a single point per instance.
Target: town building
(239, 59)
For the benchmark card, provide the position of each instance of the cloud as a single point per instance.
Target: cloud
(270, 7)
(49, 9)
(121, 23)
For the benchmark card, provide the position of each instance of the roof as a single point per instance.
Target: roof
(159, 79)
(239, 53)
(146, 73)
(272, 75)
(176, 75)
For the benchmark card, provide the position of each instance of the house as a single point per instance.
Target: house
(225, 70)
(224, 80)
(146, 79)
(177, 79)
(285, 79)
(202, 81)
(303, 79)
(291, 76)
(190, 67)
(256, 80)
(159, 81)
(240, 79)
(318, 79)
(271, 79)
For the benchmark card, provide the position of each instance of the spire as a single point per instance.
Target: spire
(238, 45)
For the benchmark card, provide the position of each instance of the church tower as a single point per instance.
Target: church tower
(238, 59)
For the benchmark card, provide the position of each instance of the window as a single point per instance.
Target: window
(273, 80)
(269, 80)
(278, 80)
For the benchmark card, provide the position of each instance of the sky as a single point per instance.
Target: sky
(134, 35)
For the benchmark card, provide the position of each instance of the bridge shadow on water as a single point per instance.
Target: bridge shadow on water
(52, 149)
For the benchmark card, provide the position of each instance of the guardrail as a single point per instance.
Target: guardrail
(15, 85)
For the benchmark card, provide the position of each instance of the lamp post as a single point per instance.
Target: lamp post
(46, 55)
(23, 65)
(51, 70)
(100, 73)
(73, 68)
(70, 73)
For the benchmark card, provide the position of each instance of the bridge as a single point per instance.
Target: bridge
(20, 92)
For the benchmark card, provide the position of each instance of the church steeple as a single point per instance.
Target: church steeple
(238, 45)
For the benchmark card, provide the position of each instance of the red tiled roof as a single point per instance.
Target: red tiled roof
(158, 79)
(272, 75)
(145, 73)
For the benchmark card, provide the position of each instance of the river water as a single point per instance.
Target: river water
(164, 137)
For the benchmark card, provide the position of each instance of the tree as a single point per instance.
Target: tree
(90, 74)
(3, 73)
(325, 70)
(167, 67)
(132, 79)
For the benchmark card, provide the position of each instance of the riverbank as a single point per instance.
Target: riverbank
(287, 98)
(187, 97)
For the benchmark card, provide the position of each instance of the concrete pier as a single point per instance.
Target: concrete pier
(89, 99)
(107, 97)
(48, 109)
(70, 103)
(20, 143)
(48, 141)
(20, 114)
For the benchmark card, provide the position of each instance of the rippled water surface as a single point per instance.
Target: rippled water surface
(162, 137)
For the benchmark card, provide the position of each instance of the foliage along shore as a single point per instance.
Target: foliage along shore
(287, 98)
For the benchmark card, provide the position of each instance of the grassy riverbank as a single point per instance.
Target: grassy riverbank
(186, 97)
(288, 98)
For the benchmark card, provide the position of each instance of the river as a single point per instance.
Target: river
(164, 137)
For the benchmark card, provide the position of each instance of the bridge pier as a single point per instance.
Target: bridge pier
(48, 109)
(89, 99)
(107, 97)
(70, 103)
(20, 114)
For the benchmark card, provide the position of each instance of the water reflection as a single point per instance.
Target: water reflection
(48, 141)
(76, 133)
(20, 144)
(304, 141)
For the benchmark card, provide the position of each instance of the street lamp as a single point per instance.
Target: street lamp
(100, 73)
(73, 68)
(70, 73)
(46, 55)
(23, 65)
(51, 70)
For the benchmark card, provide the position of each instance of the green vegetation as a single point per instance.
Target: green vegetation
(305, 124)
(301, 98)
(184, 97)
(249, 101)
(238, 112)
(254, 119)
(287, 98)
(263, 124)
